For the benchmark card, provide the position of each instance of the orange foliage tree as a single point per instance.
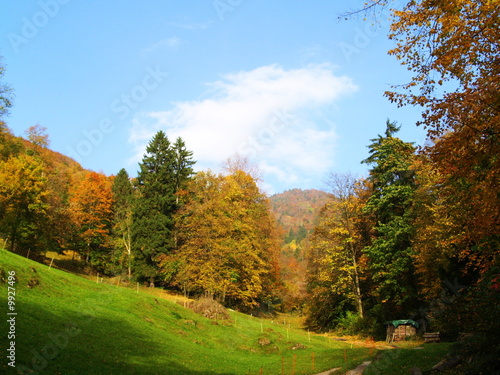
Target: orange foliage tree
(91, 206)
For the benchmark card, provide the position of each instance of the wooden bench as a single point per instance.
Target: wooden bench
(431, 337)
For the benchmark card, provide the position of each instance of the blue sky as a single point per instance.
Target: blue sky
(281, 82)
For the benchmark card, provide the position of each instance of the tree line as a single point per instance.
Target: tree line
(203, 233)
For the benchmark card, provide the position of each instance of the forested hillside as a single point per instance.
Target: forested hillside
(296, 212)
(35, 186)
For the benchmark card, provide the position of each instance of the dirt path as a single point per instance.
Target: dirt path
(329, 371)
(357, 371)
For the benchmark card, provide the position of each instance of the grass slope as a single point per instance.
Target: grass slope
(70, 325)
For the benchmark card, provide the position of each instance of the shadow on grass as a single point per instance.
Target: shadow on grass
(78, 340)
(400, 361)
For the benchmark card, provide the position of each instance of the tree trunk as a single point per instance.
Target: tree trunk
(88, 254)
(357, 289)
(128, 247)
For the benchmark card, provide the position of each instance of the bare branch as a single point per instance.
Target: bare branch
(366, 8)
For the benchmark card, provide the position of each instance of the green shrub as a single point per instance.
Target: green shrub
(353, 324)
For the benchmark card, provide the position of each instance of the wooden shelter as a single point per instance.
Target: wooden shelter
(398, 330)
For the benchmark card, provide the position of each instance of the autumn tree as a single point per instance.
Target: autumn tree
(432, 229)
(64, 175)
(335, 265)
(227, 244)
(37, 135)
(390, 203)
(345, 226)
(242, 163)
(22, 199)
(10, 145)
(453, 49)
(91, 207)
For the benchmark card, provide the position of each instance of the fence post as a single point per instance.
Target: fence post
(313, 358)
(50, 265)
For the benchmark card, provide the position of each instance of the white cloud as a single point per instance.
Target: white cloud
(269, 114)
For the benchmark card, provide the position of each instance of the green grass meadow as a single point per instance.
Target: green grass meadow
(66, 324)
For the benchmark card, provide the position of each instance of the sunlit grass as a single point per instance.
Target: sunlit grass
(72, 325)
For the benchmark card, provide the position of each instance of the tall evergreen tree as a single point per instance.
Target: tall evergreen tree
(390, 253)
(182, 167)
(163, 170)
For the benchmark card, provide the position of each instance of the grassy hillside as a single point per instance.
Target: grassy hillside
(66, 324)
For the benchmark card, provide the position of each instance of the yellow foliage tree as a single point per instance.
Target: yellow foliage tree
(22, 198)
(336, 250)
(227, 248)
